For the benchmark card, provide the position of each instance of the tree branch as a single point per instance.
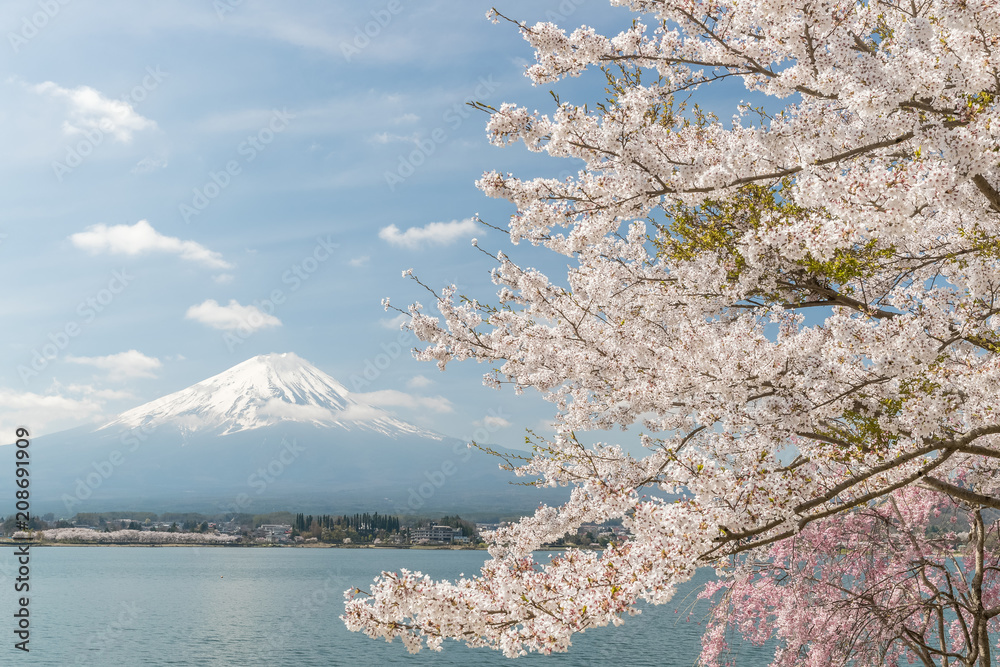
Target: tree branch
(992, 196)
(960, 493)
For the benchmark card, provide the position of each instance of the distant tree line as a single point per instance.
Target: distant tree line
(361, 527)
(364, 525)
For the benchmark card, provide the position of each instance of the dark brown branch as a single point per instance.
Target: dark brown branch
(806, 520)
(775, 175)
(960, 493)
(988, 191)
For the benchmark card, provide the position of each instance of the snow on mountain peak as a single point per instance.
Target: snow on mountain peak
(261, 391)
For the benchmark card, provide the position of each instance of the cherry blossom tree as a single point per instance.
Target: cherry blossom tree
(89, 535)
(870, 587)
(798, 307)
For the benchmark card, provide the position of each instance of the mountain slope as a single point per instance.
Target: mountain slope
(273, 432)
(264, 391)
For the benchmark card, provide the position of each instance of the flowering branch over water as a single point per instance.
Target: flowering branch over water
(865, 196)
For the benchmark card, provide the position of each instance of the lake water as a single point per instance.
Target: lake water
(232, 606)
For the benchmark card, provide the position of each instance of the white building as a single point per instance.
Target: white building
(279, 532)
(444, 534)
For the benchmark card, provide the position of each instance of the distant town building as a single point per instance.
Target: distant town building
(599, 530)
(481, 527)
(275, 532)
(442, 534)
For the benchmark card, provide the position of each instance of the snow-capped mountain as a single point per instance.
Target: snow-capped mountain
(264, 391)
(271, 433)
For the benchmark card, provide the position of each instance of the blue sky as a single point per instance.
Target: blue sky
(170, 167)
(190, 184)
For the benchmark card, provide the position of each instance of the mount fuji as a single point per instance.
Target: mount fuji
(271, 433)
(265, 391)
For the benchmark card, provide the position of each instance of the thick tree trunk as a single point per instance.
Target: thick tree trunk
(979, 613)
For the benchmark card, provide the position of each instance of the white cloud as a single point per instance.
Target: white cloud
(42, 413)
(359, 261)
(360, 413)
(223, 278)
(406, 118)
(141, 238)
(545, 426)
(103, 394)
(121, 366)
(400, 399)
(285, 410)
(418, 382)
(89, 110)
(306, 34)
(231, 317)
(434, 233)
(494, 423)
(149, 164)
(388, 138)
(394, 322)
(58, 388)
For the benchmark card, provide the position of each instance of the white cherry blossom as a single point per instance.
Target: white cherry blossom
(865, 196)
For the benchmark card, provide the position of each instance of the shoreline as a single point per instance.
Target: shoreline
(13, 543)
(399, 547)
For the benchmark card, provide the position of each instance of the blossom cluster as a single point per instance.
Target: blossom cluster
(880, 589)
(91, 536)
(800, 308)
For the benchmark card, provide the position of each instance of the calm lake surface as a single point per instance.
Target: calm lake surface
(223, 606)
